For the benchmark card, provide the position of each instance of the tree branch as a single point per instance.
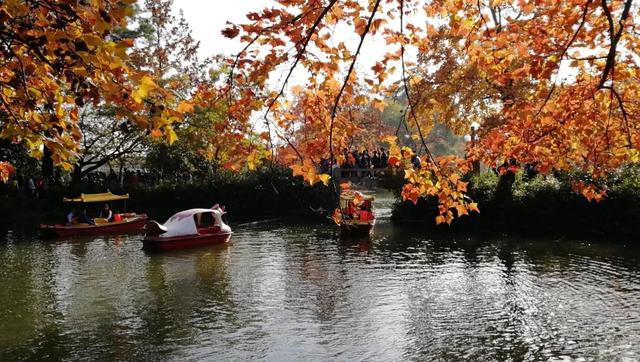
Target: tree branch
(615, 38)
(623, 110)
(564, 52)
(346, 80)
(406, 90)
(299, 56)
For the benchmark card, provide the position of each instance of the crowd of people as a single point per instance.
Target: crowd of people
(33, 187)
(353, 158)
(356, 159)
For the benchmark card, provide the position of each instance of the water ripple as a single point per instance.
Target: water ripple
(296, 291)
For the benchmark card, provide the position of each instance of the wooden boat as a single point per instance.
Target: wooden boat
(188, 228)
(123, 223)
(355, 215)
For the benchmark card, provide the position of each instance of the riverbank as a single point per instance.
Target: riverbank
(250, 196)
(542, 205)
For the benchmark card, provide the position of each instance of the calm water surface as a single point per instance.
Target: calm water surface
(297, 291)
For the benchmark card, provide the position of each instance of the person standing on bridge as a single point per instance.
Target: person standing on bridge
(365, 160)
(375, 160)
(384, 158)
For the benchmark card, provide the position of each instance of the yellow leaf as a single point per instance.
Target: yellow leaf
(324, 178)
(407, 152)
(473, 206)
(146, 84)
(461, 210)
(252, 161)
(171, 135)
(66, 166)
(390, 140)
(185, 107)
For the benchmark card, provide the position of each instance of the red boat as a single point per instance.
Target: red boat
(355, 216)
(122, 223)
(188, 228)
(127, 225)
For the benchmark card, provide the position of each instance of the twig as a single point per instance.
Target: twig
(334, 110)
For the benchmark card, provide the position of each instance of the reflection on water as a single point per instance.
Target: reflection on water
(291, 291)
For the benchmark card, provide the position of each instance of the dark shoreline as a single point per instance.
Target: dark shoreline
(537, 207)
(246, 198)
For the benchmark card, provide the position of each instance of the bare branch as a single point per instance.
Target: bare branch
(564, 52)
(346, 80)
(615, 38)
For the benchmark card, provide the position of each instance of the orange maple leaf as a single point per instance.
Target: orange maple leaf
(231, 32)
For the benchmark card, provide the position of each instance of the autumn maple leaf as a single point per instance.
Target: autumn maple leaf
(6, 169)
(231, 32)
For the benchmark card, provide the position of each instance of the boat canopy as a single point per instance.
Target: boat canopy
(102, 197)
(184, 223)
(350, 195)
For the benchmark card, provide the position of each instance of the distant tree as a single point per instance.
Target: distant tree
(55, 57)
(106, 140)
(164, 49)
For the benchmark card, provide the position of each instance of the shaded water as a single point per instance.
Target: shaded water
(297, 291)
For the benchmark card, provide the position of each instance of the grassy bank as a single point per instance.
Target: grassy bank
(543, 205)
(266, 194)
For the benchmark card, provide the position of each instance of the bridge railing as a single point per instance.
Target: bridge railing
(359, 172)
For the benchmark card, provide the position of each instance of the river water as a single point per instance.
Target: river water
(291, 290)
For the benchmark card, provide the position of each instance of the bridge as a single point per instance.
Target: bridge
(362, 176)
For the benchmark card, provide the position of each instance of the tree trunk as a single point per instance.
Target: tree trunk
(76, 175)
(47, 164)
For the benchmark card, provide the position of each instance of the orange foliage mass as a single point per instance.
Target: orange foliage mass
(553, 83)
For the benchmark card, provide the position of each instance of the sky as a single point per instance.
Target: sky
(207, 18)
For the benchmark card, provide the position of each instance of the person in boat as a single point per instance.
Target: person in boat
(350, 212)
(365, 212)
(106, 213)
(85, 219)
(72, 217)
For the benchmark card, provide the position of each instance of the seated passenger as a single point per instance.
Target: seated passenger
(72, 217)
(366, 215)
(106, 213)
(365, 212)
(85, 219)
(350, 212)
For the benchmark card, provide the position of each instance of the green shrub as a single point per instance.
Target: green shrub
(524, 188)
(541, 205)
(483, 186)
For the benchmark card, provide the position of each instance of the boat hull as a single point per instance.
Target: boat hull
(356, 229)
(126, 226)
(157, 243)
